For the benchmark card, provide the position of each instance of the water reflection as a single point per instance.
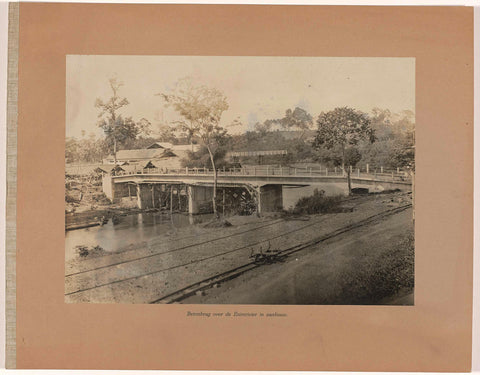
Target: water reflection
(140, 229)
(131, 230)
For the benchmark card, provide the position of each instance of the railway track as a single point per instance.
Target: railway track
(129, 249)
(250, 245)
(182, 293)
(265, 224)
(237, 271)
(156, 254)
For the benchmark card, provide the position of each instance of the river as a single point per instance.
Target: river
(136, 229)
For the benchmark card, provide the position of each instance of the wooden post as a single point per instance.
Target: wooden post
(186, 170)
(310, 171)
(367, 168)
(335, 170)
(326, 171)
(398, 170)
(223, 209)
(153, 196)
(358, 172)
(254, 171)
(381, 169)
(171, 199)
(179, 200)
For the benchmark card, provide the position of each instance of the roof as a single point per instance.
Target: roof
(295, 134)
(160, 145)
(140, 154)
(256, 153)
(171, 146)
(103, 169)
(182, 154)
(147, 164)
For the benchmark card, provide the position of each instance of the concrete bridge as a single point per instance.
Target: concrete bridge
(265, 184)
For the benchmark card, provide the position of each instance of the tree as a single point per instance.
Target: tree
(394, 146)
(264, 128)
(71, 148)
(114, 126)
(167, 134)
(144, 127)
(122, 132)
(201, 109)
(342, 129)
(352, 157)
(298, 119)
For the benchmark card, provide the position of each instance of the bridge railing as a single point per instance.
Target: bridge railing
(265, 171)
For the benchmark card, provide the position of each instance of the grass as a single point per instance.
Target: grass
(91, 252)
(372, 280)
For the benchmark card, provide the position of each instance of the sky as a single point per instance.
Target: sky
(256, 88)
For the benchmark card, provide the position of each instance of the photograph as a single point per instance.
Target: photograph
(240, 180)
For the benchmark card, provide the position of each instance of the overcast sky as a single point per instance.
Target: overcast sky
(257, 88)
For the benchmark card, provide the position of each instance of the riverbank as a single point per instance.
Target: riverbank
(147, 256)
(102, 214)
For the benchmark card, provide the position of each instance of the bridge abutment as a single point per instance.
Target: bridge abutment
(145, 196)
(200, 199)
(270, 198)
(108, 186)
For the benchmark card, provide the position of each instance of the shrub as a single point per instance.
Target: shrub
(318, 203)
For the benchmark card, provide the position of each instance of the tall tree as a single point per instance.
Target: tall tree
(342, 129)
(201, 109)
(111, 122)
(298, 119)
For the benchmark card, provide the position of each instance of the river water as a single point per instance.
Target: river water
(131, 230)
(136, 229)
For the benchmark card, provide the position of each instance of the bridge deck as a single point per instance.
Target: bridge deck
(274, 177)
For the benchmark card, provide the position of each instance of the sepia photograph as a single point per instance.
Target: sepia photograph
(245, 180)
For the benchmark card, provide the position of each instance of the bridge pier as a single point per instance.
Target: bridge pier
(270, 198)
(147, 196)
(200, 199)
(108, 186)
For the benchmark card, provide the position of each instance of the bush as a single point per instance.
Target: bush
(318, 203)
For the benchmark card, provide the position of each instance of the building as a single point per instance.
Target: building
(161, 155)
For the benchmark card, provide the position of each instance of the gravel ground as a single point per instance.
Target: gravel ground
(144, 272)
(345, 270)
